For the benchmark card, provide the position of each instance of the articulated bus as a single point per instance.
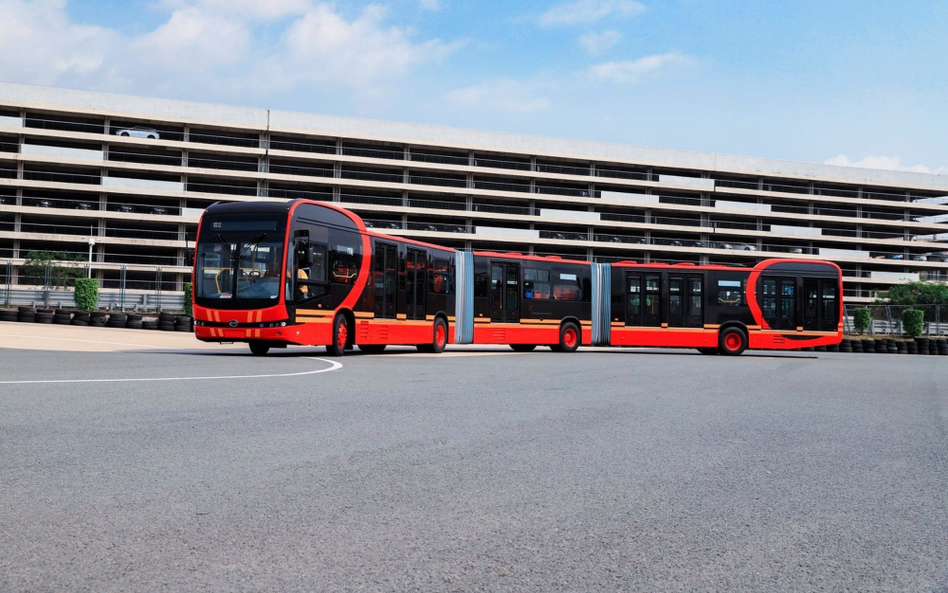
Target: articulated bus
(274, 274)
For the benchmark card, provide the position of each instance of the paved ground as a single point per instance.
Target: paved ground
(630, 470)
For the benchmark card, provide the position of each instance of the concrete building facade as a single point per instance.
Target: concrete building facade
(135, 173)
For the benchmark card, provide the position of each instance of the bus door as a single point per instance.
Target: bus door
(505, 292)
(652, 301)
(820, 304)
(811, 304)
(385, 279)
(415, 283)
(684, 303)
(643, 299)
(779, 302)
(694, 300)
(676, 301)
(633, 298)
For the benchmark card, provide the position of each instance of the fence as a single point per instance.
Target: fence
(887, 319)
(121, 294)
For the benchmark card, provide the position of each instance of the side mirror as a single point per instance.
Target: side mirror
(305, 256)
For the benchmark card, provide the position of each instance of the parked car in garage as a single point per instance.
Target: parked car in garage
(138, 132)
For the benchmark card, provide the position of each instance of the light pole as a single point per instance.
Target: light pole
(91, 244)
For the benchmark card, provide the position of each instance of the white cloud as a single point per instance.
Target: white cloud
(215, 48)
(596, 43)
(196, 38)
(632, 70)
(38, 43)
(584, 12)
(263, 10)
(892, 163)
(429, 4)
(324, 46)
(500, 95)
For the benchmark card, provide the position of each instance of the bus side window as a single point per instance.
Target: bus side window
(536, 283)
(442, 280)
(730, 293)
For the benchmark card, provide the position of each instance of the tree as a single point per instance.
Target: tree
(920, 295)
(34, 268)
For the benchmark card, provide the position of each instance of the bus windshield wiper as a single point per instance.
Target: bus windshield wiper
(226, 245)
(251, 244)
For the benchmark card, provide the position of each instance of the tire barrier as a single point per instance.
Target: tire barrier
(117, 320)
(62, 317)
(183, 323)
(166, 321)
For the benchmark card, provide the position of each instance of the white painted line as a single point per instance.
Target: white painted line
(334, 366)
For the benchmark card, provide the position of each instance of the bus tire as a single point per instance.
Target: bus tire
(340, 336)
(709, 351)
(570, 338)
(372, 348)
(523, 347)
(732, 341)
(259, 348)
(439, 336)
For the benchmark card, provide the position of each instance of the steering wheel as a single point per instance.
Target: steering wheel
(254, 274)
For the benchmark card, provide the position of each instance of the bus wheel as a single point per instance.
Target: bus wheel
(340, 335)
(732, 341)
(523, 347)
(570, 338)
(440, 336)
(372, 348)
(259, 348)
(709, 350)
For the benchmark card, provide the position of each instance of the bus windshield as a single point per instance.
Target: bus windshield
(239, 266)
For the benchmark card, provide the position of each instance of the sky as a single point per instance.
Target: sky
(847, 82)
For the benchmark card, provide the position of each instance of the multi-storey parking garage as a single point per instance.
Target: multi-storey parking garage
(134, 174)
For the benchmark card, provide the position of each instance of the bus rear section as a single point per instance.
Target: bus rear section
(528, 301)
(309, 273)
(778, 304)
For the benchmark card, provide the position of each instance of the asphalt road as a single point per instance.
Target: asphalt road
(628, 470)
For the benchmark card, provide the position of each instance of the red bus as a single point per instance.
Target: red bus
(777, 304)
(308, 273)
(273, 274)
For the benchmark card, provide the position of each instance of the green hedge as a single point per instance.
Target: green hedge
(187, 299)
(86, 294)
(913, 321)
(862, 319)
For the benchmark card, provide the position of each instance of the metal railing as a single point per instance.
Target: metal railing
(887, 319)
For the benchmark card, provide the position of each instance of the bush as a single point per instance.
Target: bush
(187, 300)
(862, 319)
(86, 294)
(913, 321)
